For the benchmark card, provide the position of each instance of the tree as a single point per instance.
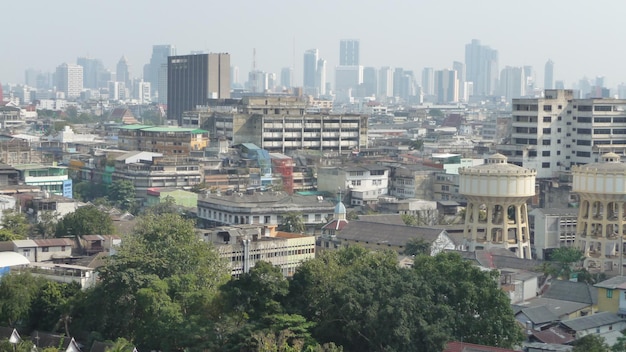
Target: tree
(16, 223)
(566, 258)
(416, 144)
(620, 345)
(409, 220)
(157, 290)
(7, 235)
(17, 292)
(87, 220)
(591, 343)
(121, 345)
(292, 222)
(47, 224)
(417, 246)
(122, 194)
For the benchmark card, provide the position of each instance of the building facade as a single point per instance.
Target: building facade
(194, 79)
(551, 229)
(169, 141)
(365, 184)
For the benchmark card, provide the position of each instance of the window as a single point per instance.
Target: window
(356, 182)
(546, 142)
(45, 249)
(545, 165)
(545, 153)
(532, 153)
(609, 293)
(584, 120)
(547, 108)
(547, 130)
(547, 118)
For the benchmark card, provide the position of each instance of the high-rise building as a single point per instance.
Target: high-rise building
(154, 72)
(234, 76)
(122, 73)
(481, 63)
(385, 82)
(92, 72)
(286, 74)
(320, 77)
(512, 83)
(349, 52)
(446, 86)
(459, 67)
(348, 78)
(370, 81)
(428, 81)
(69, 80)
(310, 70)
(193, 79)
(548, 75)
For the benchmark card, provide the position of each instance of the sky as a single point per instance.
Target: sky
(583, 38)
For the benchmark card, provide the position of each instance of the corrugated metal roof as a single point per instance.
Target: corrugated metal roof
(24, 243)
(592, 321)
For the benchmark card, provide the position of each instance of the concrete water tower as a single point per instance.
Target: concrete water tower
(601, 225)
(496, 213)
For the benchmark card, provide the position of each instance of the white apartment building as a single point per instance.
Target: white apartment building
(551, 229)
(553, 133)
(69, 80)
(365, 183)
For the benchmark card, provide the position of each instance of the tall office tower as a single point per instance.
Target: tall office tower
(30, 77)
(428, 81)
(459, 67)
(548, 75)
(234, 76)
(92, 72)
(481, 64)
(310, 71)
(446, 86)
(153, 71)
(512, 83)
(320, 77)
(69, 80)
(348, 78)
(370, 81)
(349, 52)
(122, 73)
(529, 78)
(286, 74)
(193, 79)
(560, 85)
(584, 88)
(385, 82)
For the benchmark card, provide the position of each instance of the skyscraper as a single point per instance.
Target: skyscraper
(370, 81)
(286, 74)
(92, 72)
(122, 72)
(459, 67)
(428, 81)
(153, 71)
(512, 83)
(69, 80)
(481, 64)
(349, 52)
(385, 82)
(320, 77)
(446, 86)
(548, 75)
(193, 79)
(309, 70)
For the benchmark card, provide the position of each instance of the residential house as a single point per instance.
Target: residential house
(412, 181)
(560, 308)
(612, 295)
(572, 291)
(599, 323)
(169, 141)
(520, 285)
(49, 178)
(48, 250)
(456, 346)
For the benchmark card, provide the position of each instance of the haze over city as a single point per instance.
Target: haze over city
(582, 39)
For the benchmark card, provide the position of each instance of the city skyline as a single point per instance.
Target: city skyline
(407, 36)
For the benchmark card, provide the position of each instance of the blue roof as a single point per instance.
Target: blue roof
(340, 208)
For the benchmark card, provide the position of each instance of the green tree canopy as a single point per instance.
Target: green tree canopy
(591, 343)
(122, 194)
(16, 223)
(87, 220)
(566, 258)
(292, 222)
(17, 293)
(417, 246)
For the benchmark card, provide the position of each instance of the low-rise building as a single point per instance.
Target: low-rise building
(173, 141)
(245, 245)
(180, 197)
(48, 250)
(365, 183)
(267, 208)
(85, 276)
(551, 229)
(599, 323)
(49, 178)
(612, 295)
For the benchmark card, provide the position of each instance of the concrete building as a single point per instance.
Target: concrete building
(482, 67)
(267, 208)
(365, 184)
(46, 250)
(169, 141)
(51, 179)
(349, 52)
(385, 82)
(122, 73)
(155, 72)
(194, 79)
(512, 83)
(69, 80)
(548, 75)
(428, 81)
(446, 86)
(600, 231)
(93, 70)
(281, 124)
(11, 117)
(551, 229)
(245, 245)
(501, 190)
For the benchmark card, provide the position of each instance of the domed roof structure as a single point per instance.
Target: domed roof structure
(497, 163)
(609, 162)
(340, 208)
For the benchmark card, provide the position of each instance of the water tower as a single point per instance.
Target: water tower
(496, 213)
(601, 224)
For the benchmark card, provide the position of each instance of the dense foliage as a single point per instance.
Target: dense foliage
(165, 290)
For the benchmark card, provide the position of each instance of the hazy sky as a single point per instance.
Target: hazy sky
(583, 38)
